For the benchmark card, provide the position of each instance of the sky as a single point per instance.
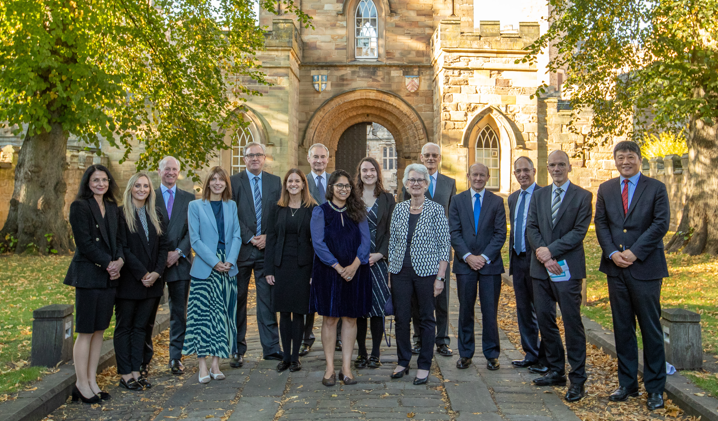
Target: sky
(509, 12)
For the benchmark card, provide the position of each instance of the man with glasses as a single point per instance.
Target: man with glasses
(255, 191)
(441, 190)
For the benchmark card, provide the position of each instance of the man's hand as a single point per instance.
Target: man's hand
(543, 254)
(620, 260)
(172, 258)
(259, 241)
(438, 287)
(629, 256)
(375, 257)
(270, 279)
(553, 267)
(475, 262)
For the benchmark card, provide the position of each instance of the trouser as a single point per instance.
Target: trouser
(404, 286)
(178, 294)
(633, 299)
(148, 349)
(489, 290)
(266, 317)
(131, 318)
(291, 329)
(377, 332)
(441, 311)
(525, 309)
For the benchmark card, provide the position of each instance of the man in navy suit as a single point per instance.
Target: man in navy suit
(632, 217)
(477, 221)
(519, 263)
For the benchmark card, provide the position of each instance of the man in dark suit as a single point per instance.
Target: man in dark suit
(172, 203)
(441, 190)
(632, 217)
(558, 220)
(255, 191)
(519, 263)
(477, 221)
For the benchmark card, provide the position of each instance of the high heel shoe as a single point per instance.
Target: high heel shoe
(418, 381)
(400, 374)
(77, 396)
(217, 376)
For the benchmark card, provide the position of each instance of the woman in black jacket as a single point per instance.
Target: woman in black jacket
(145, 250)
(94, 272)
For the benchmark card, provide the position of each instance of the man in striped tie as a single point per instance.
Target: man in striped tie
(558, 220)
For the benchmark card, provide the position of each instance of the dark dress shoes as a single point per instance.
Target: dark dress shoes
(416, 349)
(522, 363)
(538, 368)
(77, 396)
(348, 381)
(277, 356)
(444, 350)
(176, 367)
(145, 382)
(622, 394)
(360, 362)
(283, 365)
(551, 378)
(463, 363)
(418, 381)
(338, 346)
(304, 350)
(374, 362)
(104, 396)
(493, 364)
(400, 374)
(237, 361)
(130, 384)
(295, 366)
(144, 370)
(330, 381)
(654, 401)
(575, 392)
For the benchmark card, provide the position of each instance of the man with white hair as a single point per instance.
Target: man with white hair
(442, 190)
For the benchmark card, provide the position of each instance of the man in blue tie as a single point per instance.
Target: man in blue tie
(519, 266)
(477, 221)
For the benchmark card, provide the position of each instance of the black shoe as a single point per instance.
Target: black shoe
(523, 363)
(130, 384)
(551, 378)
(622, 394)
(176, 367)
(416, 349)
(338, 346)
(77, 396)
(104, 396)
(144, 382)
(330, 381)
(538, 368)
(348, 381)
(418, 381)
(444, 350)
(654, 401)
(295, 366)
(283, 365)
(360, 362)
(144, 370)
(493, 364)
(374, 362)
(237, 361)
(304, 350)
(575, 393)
(277, 356)
(400, 374)
(463, 363)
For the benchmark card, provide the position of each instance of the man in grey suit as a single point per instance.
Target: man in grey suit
(172, 204)
(255, 192)
(441, 190)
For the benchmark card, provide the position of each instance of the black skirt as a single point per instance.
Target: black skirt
(93, 309)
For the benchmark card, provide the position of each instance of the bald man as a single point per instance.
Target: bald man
(477, 221)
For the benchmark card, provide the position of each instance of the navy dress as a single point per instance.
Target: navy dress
(338, 239)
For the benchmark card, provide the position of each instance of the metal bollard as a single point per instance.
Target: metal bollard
(682, 338)
(52, 330)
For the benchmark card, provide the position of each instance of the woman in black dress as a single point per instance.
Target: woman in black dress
(141, 281)
(288, 263)
(341, 280)
(94, 272)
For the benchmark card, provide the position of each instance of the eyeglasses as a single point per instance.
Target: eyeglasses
(431, 155)
(415, 180)
(254, 155)
(343, 186)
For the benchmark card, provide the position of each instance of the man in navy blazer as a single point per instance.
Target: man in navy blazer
(520, 252)
(477, 221)
(632, 217)
(558, 220)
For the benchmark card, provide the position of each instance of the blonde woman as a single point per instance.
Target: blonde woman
(145, 250)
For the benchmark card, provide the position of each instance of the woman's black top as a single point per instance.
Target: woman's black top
(413, 219)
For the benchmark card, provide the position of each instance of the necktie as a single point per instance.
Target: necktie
(170, 203)
(624, 196)
(555, 205)
(519, 225)
(431, 186)
(320, 188)
(477, 212)
(258, 205)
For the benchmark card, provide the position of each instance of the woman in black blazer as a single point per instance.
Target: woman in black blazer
(145, 250)
(379, 207)
(288, 261)
(94, 272)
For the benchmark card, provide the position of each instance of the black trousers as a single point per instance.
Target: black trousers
(404, 285)
(525, 309)
(178, 293)
(633, 299)
(131, 318)
(489, 290)
(291, 330)
(266, 316)
(148, 349)
(441, 311)
(568, 296)
(376, 324)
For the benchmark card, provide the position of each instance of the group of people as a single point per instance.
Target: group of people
(339, 246)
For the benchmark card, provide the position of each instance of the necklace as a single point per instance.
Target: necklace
(335, 208)
(420, 207)
(294, 211)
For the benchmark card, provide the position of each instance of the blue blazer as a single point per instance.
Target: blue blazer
(204, 237)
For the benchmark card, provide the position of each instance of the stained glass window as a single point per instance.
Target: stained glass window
(239, 141)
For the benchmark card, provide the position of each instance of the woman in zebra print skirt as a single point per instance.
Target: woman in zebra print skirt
(212, 305)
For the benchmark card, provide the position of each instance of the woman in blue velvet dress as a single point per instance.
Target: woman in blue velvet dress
(341, 278)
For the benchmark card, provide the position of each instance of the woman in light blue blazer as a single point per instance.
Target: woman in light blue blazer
(212, 305)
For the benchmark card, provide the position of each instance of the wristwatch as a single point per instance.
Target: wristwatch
(439, 278)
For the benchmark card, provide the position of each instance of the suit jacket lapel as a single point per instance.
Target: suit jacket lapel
(210, 214)
(248, 192)
(640, 187)
(160, 204)
(111, 212)
(570, 192)
(381, 205)
(265, 195)
(227, 221)
(97, 213)
(470, 210)
(141, 232)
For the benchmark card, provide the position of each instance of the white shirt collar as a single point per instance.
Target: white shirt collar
(165, 188)
(323, 175)
(481, 192)
(530, 189)
(564, 186)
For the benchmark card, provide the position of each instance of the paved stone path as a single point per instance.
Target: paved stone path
(258, 392)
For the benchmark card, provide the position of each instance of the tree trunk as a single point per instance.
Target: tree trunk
(38, 199)
(700, 212)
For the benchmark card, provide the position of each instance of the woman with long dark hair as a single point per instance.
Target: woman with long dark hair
(379, 205)
(341, 280)
(288, 263)
(94, 272)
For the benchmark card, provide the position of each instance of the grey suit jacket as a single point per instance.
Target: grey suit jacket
(513, 202)
(243, 196)
(443, 193)
(313, 186)
(177, 233)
